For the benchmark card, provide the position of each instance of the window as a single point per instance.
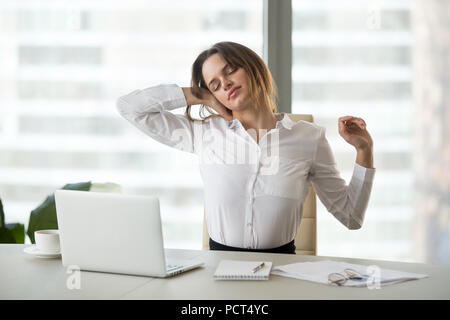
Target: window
(354, 58)
(64, 65)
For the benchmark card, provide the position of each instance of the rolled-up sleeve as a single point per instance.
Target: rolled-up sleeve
(348, 203)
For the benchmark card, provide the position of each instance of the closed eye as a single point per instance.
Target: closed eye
(230, 72)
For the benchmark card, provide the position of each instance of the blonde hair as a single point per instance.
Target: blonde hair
(262, 87)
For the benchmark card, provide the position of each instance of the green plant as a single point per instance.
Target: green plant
(44, 216)
(10, 232)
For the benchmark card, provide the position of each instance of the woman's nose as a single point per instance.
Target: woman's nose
(228, 84)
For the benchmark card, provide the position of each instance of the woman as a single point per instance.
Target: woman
(256, 164)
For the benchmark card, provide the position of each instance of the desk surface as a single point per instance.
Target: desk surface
(26, 277)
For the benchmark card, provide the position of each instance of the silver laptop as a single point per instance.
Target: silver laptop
(114, 233)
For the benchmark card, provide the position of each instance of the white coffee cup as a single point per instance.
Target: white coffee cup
(47, 241)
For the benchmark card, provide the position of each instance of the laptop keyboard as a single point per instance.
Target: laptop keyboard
(172, 266)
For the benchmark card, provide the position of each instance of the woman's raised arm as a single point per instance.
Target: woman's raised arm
(150, 111)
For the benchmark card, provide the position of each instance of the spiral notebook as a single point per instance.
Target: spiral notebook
(242, 270)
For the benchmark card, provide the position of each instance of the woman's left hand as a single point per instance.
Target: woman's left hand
(353, 130)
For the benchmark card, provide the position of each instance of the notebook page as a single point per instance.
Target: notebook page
(242, 270)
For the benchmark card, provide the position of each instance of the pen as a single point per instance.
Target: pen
(259, 267)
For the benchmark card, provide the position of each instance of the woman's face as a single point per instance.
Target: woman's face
(228, 84)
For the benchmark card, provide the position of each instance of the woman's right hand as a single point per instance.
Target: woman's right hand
(207, 99)
(223, 111)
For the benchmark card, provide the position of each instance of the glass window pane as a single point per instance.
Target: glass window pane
(354, 58)
(65, 63)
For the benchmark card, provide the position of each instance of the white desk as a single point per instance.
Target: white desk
(25, 277)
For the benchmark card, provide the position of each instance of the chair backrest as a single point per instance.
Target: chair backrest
(306, 238)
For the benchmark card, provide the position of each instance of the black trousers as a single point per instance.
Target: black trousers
(287, 248)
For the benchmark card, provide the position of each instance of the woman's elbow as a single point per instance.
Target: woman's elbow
(353, 224)
(121, 105)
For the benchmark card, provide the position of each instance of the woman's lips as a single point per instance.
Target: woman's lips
(233, 93)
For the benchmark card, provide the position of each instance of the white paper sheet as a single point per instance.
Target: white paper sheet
(320, 270)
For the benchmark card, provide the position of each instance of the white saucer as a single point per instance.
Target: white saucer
(34, 251)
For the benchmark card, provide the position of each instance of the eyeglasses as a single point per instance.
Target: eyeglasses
(340, 279)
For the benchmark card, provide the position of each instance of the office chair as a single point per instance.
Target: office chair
(306, 238)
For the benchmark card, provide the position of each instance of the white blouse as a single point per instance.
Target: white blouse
(254, 192)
